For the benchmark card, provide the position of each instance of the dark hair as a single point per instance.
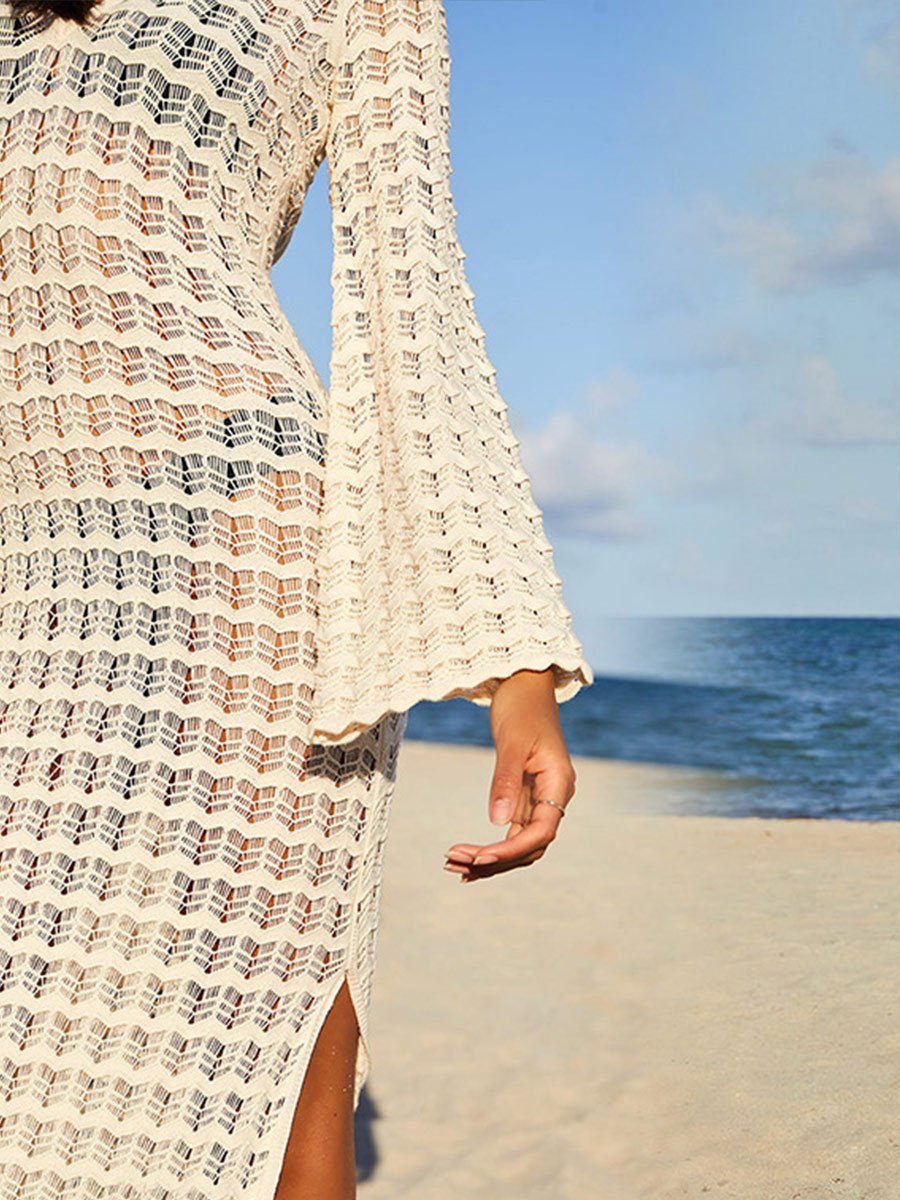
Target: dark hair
(71, 10)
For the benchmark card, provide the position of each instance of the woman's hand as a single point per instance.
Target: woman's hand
(532, 763)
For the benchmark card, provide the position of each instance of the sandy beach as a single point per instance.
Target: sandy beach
(664, 1006)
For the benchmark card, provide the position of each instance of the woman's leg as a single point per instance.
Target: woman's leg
(320, 1163)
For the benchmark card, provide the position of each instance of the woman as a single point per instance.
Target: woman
(224, 586)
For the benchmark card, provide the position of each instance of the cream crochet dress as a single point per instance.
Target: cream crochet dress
(221, 584)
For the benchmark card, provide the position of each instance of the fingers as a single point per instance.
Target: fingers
(508, 781)
(535, 836)
(532, 826)
(525, 844)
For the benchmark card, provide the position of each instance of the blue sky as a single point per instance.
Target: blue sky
(682, 228)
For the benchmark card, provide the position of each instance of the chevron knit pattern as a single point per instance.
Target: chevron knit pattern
(221, 584)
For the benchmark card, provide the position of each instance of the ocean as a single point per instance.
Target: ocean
(799, 716)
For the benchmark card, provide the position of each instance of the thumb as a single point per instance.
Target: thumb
(506, 784)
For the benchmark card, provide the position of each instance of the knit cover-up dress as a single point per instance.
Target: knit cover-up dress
(221, 584)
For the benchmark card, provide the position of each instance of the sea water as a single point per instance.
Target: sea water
(798, 716)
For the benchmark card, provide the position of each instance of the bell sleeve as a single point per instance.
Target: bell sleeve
(435, 576)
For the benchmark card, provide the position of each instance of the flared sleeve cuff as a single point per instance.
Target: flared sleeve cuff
(340, 719)
(434, 575)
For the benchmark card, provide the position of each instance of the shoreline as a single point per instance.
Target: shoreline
(634, 776)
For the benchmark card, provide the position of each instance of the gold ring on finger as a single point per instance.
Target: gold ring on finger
(554, 803)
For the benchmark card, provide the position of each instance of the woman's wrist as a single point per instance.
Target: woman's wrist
(526, 678)
(525, 698)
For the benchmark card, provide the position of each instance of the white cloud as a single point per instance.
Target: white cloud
(583, 481)
(823, 415)
(837, 223)
(868, 512)
(619, 389)
(882, 55)
(687, 344)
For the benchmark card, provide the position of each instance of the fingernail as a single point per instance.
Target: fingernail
(502, 812)
(485, 858)
(459, 856)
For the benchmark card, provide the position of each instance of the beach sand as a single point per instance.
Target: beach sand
(663, 1006)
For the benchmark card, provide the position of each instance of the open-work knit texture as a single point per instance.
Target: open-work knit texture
(221, 584)
(437, 576)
